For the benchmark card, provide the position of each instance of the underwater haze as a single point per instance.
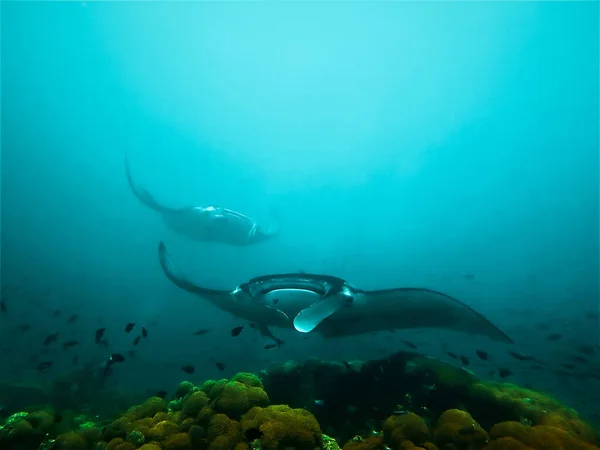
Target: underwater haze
(450, 146)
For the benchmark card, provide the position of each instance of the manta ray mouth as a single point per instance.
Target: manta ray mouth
(279, 297)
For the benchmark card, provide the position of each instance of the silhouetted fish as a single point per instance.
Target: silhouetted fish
(73, 319)
(44, 365)
(117, 358)
(129, 327)
(201, 332)
(409, 344)
(188, 369)
(236, 331)
(520, 356)
(553, 337)
(482, 355)
(99, 335)
(220, 366)
(50, 338)
(136, 341)
(69, 344)
(144, 332)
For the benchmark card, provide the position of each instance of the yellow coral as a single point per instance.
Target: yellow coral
(162, 430)
(540, 437)
(458, 428)
(70, 441)
(194, 403)
(178, 441)
(283, 427)
(249, 379)
(42, 420)
(150, 447)
(236, 399)
(20, 429)
(149, 408)
(159, 417)
(407, 426)
(506, 443)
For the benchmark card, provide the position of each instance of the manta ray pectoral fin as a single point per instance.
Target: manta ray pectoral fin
(424, 308)
(309, 318)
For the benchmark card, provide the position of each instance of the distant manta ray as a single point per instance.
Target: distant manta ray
(206, 223)
(332, 307)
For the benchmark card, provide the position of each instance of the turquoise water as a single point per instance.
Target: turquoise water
(452, 146)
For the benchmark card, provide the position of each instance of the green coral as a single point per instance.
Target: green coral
(235, 399)
(249, 379)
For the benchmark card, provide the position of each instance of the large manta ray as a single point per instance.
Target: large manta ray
(333, 307)
(206, 223)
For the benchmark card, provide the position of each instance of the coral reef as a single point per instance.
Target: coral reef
(406, 401)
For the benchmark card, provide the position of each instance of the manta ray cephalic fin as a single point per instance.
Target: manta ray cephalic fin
(309, 318)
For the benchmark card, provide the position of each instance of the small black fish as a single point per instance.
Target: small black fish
(99, 335)
(73, 319)
(131, 354)
(504, 372)
(464, 360)
(553, 337)
(161, 394)
(220, 366)
(520, 356)
(586, 349)
(409, 344)
(2, 306)
(201, 332)
(104, 342)
(117, 358)
(452, 355)
(469, 276)
(188, 369)
(56, 313)
(482, 355)
(69, 344)
(144, 332)
(252, 325)
(592, 315)
(44, 365)
(75, 360)
(50, 338)
(24, 328)
(129, 327)
(136, 341)
(568, 366)
(236, 331)
(269, 346)
(580, 359)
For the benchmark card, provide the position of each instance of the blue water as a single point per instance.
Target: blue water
(452, 146)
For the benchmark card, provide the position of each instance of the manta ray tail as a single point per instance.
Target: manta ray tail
(143, 195)
(180, 280)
